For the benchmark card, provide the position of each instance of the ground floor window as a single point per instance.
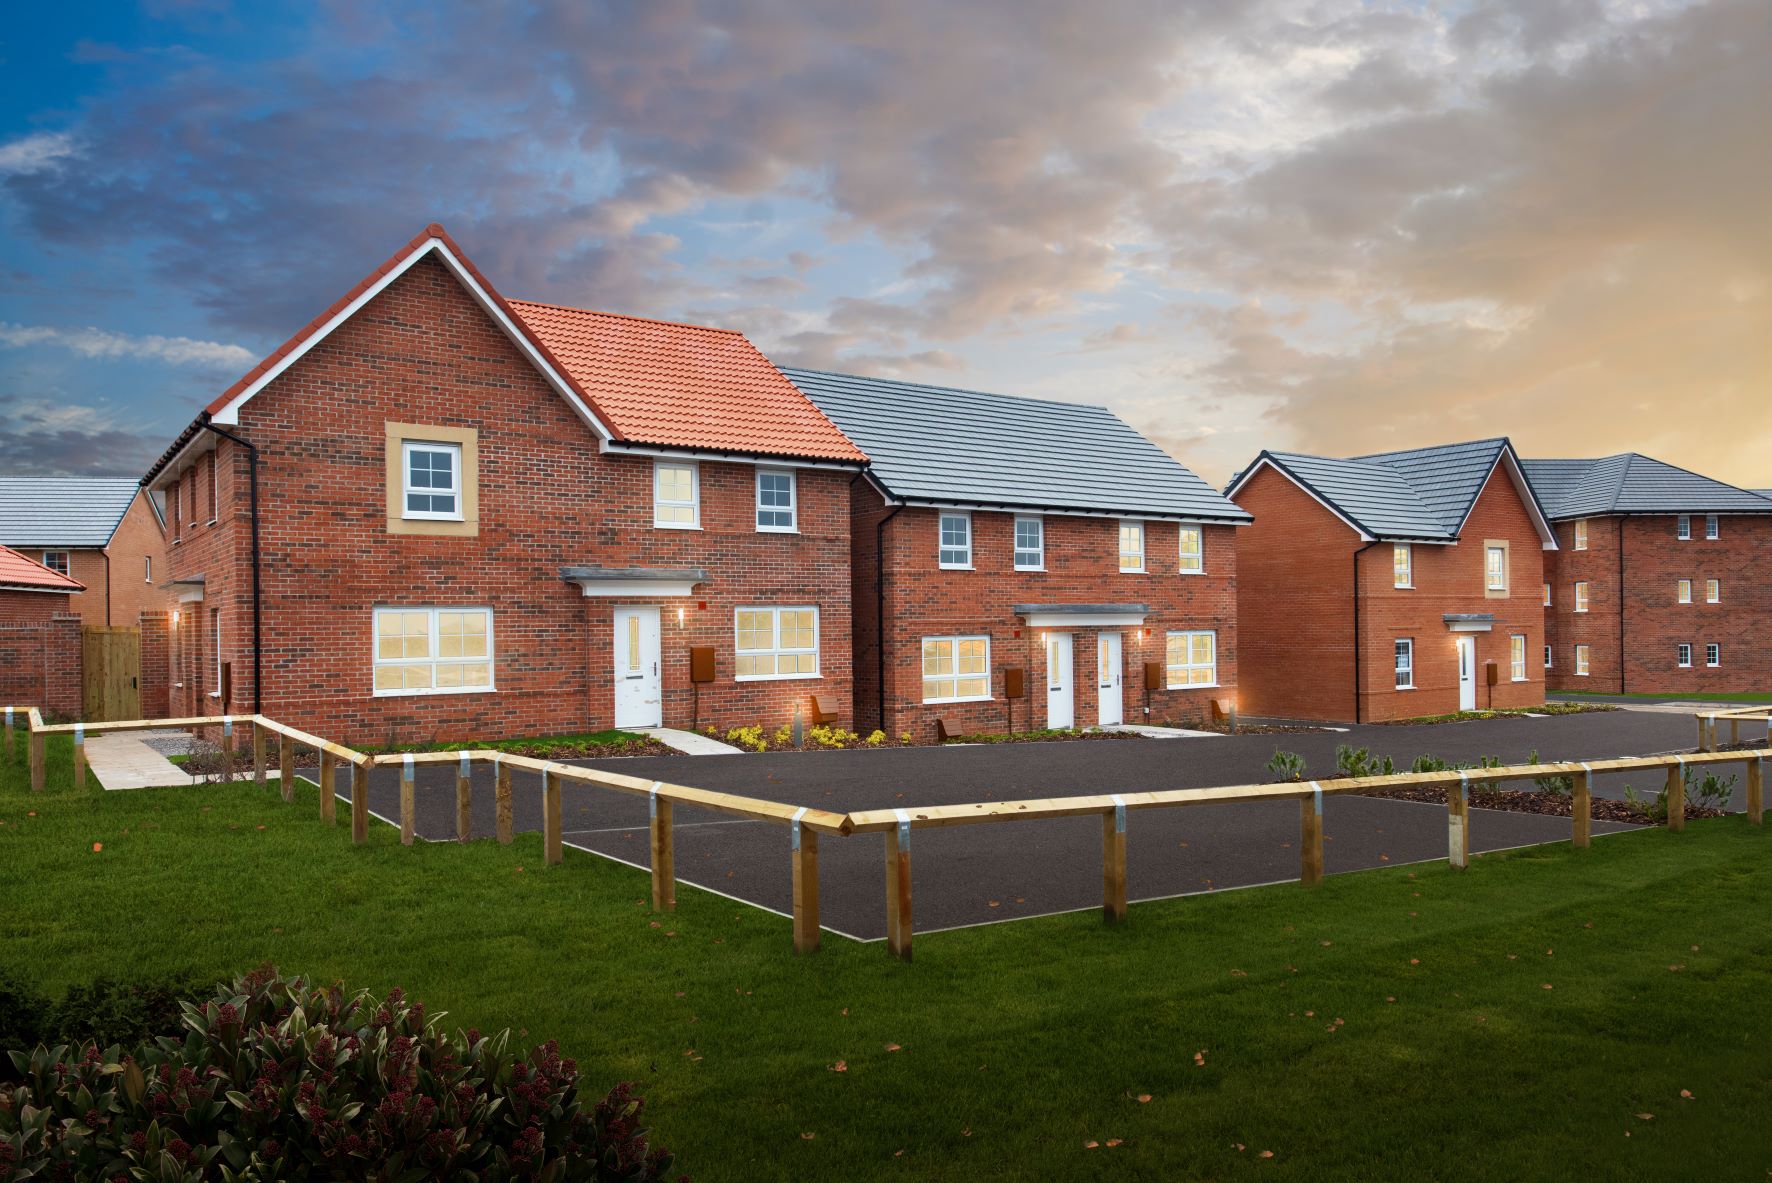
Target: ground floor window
(956, 669)
(1517, 657)
(1581, 661)
(1191, 659)
(432, 650)
(1405, 663)
(1683, 654)
(777, 643)
(1713, 655)
(1547, 657)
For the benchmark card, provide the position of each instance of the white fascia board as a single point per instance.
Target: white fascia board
(616, 448)
(1267, 462)
(615, 588)
(1063, 620)
(1546, 535)
(50, 591)
(230, 414)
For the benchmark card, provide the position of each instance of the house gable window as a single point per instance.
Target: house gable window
(433, 479)
(432, 651)
(954, 552)
(1495, 569)
(777, 511)
(1193, 550)
(676, 495)
(1547, 657)
(1191, 659)
(1030, 544)
(1405, 663)
(1517, 656)
(1132, 547)
(1547, 595)
(1581, 534)
(776, 643)
(1402, 565)
(956, 669)
(56, 560)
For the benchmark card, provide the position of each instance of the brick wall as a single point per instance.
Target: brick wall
(88, 566)
(422, 352)
(1082, 566)
(156, 662)
(39, 652)
(1655, 622)
(138, 538)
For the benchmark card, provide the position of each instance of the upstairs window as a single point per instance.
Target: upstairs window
(1712, 528)
(776, 509)
(148, 568)
(1193, 550)
(1132, 546)
(1581, 661)
(676, 498)
(1713, 591)
(1581, 534)
(1405, 663)
(1030, 544)
(1581, 597)
(1713, 655)
(1495, 568)
(1402, 565)
(1683, 592)
(1683, 528)
(1547, 657)
(433, 480)
(56, 560)
(1547, 595)
(956, 542)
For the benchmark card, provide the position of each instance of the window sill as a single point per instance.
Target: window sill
(674, 526)
(954, 567)
(1194, 686)
(931, 702)
(425, 693)
(1133, 571)
(778, 529)
(426, 517)
(1402, 587)
(1411, 686)
(1191, 571)
(1031, 570)
(776, 677)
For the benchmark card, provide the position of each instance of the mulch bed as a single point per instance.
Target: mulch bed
(1257, 728)
(1527, 801)
(1751, 745)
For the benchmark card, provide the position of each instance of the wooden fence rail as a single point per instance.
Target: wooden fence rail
(805, 824)
(1707, 724)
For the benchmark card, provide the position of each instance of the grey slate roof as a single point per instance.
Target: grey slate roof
(967, 447)
(1422, 494)
(63, 511)
(1633, 483)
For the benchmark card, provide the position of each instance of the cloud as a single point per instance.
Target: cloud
(34, 153)
(44, 439)
(100, 343)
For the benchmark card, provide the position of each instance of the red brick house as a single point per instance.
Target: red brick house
(103, 532)
(1390, 586)
(995, 534)
(435, 512)
(1691, 556)
(39, 636)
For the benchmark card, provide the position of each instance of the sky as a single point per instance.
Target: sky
(1313, 225)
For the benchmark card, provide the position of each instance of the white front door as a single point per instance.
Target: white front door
(638, 702)
(1467, 673)
(1107, 681)
(1060, 706)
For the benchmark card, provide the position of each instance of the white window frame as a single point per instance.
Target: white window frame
(1169, 668)
(1402, 566)
(1581, 595)
(1580, 533)
(1143, 545)
(215, 487)
(693, 504)
(1199, 555)
(1404, 662)
(1547, 595)
(941, 547)
(215, 627)
(1581, 661)
(1713, 655)
(1039, 548)
(1683, 655)
(1713, 527)
(1683, 591)
(1489, 576)
(776, 648)
(67, 561)
(147, 568)
(1517, 656)
(793, 506)
(435, 659)
(955, 676)
(1683, 528)
(1547, 657)
(407, 448)
(1713, 591)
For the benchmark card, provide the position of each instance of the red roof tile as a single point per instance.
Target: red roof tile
(683, 385)
(18, 571)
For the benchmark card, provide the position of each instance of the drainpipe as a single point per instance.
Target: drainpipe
(257, 586)
(107, 553)
(1358, 717)
(880, 606)
(1621, 524)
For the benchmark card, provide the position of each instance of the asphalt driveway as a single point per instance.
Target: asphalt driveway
(979, 874)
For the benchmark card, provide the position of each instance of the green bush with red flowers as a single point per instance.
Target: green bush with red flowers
(276, 1079)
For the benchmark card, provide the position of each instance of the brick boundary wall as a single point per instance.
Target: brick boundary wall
(40, 664)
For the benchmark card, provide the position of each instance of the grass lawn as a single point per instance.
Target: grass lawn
(1391, 1024)
(1742, 697)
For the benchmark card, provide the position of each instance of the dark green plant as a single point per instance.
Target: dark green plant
(274, 1079)
(23, 1015)
(1710, 792)
(1286, 765)
(1556, 786)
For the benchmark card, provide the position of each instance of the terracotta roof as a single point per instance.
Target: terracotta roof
(18, 571)
(684, 386)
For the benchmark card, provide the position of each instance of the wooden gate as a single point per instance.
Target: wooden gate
(110, 673)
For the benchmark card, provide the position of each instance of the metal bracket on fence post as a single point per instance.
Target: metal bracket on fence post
(794, 826)
(227, 727)
(464, 764)
(1119, 814)
(904, 831)
(652, 801)
(1458, 825)
(79, 733)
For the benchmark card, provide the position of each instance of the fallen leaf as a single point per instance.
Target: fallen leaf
(967, 1132)
(1645, 1117)
(845, 1010)
(893, 1047)
(840, 1066)
(679, 994)
(1144, 1098)
(1390, 998)
(1687, 1094)
(807, 1137)
(992, 903)
(1240, 1147)
(1325, 944)
(97, 846)
(1267, 1154)
(654, 924)
(1091, 1145)
(1113, 1141)
(1547, 986)
(1415, 961)
(1310, 1014)
(1237, 973)
(1200, 1058)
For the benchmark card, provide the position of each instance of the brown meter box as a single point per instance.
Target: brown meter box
(1015, 682)
(701, 664)
(1153, 675)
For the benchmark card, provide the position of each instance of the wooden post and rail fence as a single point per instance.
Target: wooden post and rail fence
(896, 825)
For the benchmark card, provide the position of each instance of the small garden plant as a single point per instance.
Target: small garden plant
(1286, 765)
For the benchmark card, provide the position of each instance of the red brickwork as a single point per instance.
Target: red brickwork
(422, 352)
(39, 652)
(117, 587)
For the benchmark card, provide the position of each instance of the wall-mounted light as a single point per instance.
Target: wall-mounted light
(175, 618)
(679, 618)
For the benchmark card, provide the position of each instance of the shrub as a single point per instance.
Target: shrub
(748, 737)
(1426, 763)
(875, 738)
(273, 1079)
(24, 1015)
(831, 737)
(1710, 793)
(1556, 786)
(103, 1012)
(1358, 762)
(1286, 765)
(783, 737)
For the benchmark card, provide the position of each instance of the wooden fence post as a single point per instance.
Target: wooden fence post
(258, 753)
(328, 787)
(503, 792)
(1113, 863)
(80, 756)
(1310, 833)
(464, 800)
(664, 857)
(286, 766)
(898, 888)
(551, 836)
(1703, 730)
(359, 803)
(1458, 822)
(1676, 795)
(1734, 731)
(1756, 789)
(805, 845)
(9, 738)
(407, 804)
(39, 763)
(1582, 805)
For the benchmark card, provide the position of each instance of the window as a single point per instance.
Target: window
(432, 650)
(1581, 597)
(1547, 598)
(433, 480)
(1581, 661)
(1712, 528)
(1030, 544)
(956, 541)
(214, 487)
(148, 568)
(1402, 566)
(675, 504)
(1547, 657)
(1683, 653)
(1132, 546)
(956, 669)
(215, 631)
(1192, 659)
(1405, 663)
(1517, 656)
(56, 560)
(777, 643)
(1193, 550)
(1495, 567)
(1713, 655)
(776, 509)
(1713, 591)
(1684, 591)
(1581, 534)
(1683, 528)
